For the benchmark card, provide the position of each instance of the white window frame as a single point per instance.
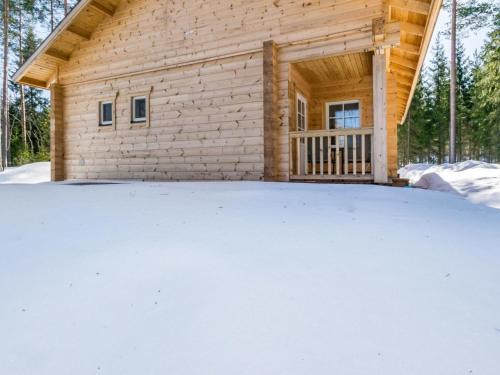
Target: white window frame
(139, 119)
(301, 98)
(101, 112)
(343, 103)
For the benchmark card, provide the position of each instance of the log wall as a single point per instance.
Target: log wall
(203, 64)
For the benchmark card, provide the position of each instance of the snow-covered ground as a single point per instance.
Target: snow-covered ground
(246, 278)
(477, 181)
(27, 174)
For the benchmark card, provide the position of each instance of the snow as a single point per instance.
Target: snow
(477, 181)
(27, 174)
(247, 278)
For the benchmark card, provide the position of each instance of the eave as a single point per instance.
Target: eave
(41, 68)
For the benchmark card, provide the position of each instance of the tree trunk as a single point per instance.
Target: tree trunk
(5, 92)
(65, 7)
(21, 87)
(453, 82)
(52, 15)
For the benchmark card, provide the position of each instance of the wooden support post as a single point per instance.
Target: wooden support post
(56, 133)
(271, 115)
(380, 116)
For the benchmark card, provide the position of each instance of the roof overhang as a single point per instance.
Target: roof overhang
(418, 21)
(41, 68)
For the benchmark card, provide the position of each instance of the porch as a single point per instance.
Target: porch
(339, 119)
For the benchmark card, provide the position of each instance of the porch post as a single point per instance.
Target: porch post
(56, 133)
(380, 116)
(271, 116)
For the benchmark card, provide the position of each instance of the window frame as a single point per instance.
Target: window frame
(343, 103)
(302, 98)
(141, 123)
(139, 120)
(101, 122)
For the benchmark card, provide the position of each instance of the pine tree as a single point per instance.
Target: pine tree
(463, 101)
(465, 15)
(439, 103)
(486, 98)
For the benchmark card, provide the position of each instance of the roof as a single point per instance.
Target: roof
(417, 19)
(39, 70)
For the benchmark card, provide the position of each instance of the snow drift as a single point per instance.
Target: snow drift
(477, 181)
(27, 174)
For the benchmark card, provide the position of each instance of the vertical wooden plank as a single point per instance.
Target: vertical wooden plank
(337, 155)
(354, 161)
(329, 150)
(346, 155)
(380, 116)
(321, 156)
(271, 123)
(314, 155)
(306, 159)
(299, 168)
(56, 133)
(363, 167)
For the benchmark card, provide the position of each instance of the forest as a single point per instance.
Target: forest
(424, 136)
(25, 114)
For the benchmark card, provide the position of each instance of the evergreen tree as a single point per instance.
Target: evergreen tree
(463, 101)
(439, 103)
(486, 98)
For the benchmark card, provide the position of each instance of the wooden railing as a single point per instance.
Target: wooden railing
(331, 154)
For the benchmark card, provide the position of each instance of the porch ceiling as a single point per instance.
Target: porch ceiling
(336, 68)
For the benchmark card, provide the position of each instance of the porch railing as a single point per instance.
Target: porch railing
(331, 154)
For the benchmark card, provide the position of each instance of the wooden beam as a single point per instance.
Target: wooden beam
(414, 6)
(380, 117)
(391, 35)
(401, 70)
(101, 8)
(412, 28)
(426, 39)
(57, 55)
(407, 63)
(410, 48)
(271, 111)
(33, 82)
(408, 81)
(78, 31)
(378, 29)
(56, 133)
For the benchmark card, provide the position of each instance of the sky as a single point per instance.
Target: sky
(474, 41)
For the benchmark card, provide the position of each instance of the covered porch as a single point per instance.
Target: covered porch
(342, 127)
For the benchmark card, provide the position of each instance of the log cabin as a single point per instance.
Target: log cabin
(276, 90)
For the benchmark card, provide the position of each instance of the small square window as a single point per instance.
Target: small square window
(139, 109)
(106, 113)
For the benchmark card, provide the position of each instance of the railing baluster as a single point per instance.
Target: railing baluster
(363, 167)
(346, 154)
(314, 155)
(299, 172)
(329, 150)
(372, 155)
(321, 156)
(337, 154)
(306, 161)
(354, 161)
